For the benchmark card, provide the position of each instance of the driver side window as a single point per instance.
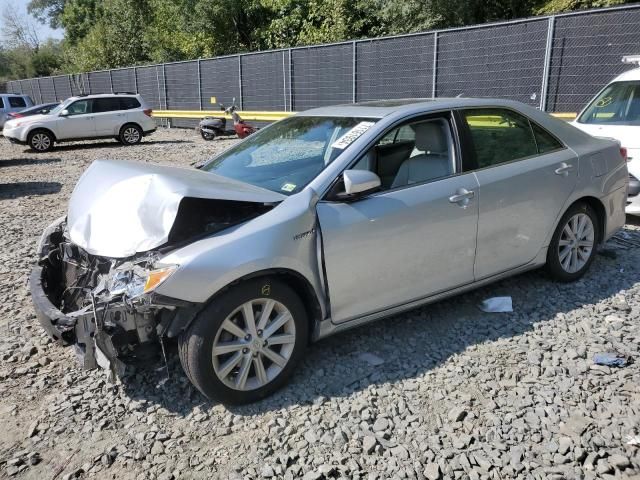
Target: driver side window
(80, 107)
(415, 152)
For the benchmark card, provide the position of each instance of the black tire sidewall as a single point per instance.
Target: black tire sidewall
(34, 133)
(208, 135)
(553, 261)
(130, 125)
(197, 341)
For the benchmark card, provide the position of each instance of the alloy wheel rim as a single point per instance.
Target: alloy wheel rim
(575, 246)
(40, 141)
(131, 135)
(253, 344)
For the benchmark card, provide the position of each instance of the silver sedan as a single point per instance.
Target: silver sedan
(323, 221)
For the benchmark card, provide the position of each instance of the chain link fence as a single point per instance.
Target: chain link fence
(556, 63)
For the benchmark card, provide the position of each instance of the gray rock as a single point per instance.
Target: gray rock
(369, 443)
(457, 414)
(432, 471)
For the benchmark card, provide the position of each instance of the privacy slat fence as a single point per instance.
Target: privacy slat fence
(556, 63)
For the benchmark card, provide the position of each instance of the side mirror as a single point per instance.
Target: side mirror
(64, 113)
(360, 181)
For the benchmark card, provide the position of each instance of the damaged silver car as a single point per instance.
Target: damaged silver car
(326, 220)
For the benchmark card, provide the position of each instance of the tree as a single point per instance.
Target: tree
(47, 11)
(557, 6)
(18, 30)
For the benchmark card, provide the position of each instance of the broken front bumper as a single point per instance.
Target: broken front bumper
(111, 335)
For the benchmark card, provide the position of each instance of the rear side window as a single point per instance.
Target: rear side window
(499, 136)
(127, 103)
(17, 102)
(106, 104)
(545, 141)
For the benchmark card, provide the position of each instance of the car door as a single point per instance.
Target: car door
(526, 175)
(403, 243)
(79, 122)
(107, 115)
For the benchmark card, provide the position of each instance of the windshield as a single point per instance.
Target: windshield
(287, 155)
(617, 104)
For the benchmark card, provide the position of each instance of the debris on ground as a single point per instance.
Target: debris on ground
(496, 305)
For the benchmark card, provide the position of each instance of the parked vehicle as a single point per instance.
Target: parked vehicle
(124, 117)
(326, 220)
(10, 102)
(42, 109)
(212, 127)
(615, 113)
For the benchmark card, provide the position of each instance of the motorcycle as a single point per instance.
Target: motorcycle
(212, 127)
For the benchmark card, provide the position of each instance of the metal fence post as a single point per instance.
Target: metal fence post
(111, 80)
(240, 79)
(166, 102)
(159, 94)
(89, 82)
(199, 86)
(434, 73)
(290, 82)
(284, 82)
(53, 83)
(354, 77)
(546, 72)
(70, 84)
(135, 79)
(39, 90)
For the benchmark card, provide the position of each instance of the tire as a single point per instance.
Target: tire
(130, 134)
(40, 141)
(207, 135)
(569, 255)
(219, 376)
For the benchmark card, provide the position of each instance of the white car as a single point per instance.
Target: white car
(124, 117)
(615, 113)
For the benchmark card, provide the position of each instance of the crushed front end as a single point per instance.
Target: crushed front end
(104, 307)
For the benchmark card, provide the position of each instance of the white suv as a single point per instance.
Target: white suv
(124, 117)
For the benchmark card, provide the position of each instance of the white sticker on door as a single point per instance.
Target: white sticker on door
(348, 138)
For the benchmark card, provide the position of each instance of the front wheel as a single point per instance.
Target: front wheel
(40, 141)
(573, 245)
(246, 343)
(130, 134)
(207, 135)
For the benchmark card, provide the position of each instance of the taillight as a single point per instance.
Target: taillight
(623, 153)
(148, 112)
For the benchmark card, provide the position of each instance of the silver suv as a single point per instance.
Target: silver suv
(124, 117)
(10, 102)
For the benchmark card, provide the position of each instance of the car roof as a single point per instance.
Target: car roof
(382, 108)
(104, 95)
(633, 74)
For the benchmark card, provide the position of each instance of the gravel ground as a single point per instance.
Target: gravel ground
(444, 391)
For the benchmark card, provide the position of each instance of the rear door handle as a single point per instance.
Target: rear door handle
(462, 196)
(563, 169)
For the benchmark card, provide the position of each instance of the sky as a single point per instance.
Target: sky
(43, 30)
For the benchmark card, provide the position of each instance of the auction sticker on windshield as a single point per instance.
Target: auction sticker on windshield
(352, 135)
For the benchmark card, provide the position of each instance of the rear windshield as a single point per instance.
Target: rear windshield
(617, 104)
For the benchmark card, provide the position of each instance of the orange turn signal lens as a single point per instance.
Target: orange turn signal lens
(156, 277)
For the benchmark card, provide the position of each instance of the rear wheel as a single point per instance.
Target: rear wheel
(40, 141)
(246, 343)
(573, 245)
(130, 134)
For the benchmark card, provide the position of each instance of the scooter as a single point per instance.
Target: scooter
(212, 127)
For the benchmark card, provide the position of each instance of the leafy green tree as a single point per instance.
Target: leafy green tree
(47, 11)
(557, 6)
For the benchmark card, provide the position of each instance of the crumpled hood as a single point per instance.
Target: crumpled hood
(119, 208)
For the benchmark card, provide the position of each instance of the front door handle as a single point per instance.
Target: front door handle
(563, 169)
(462, 196)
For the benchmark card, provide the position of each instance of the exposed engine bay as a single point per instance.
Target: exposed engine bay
(106, 307)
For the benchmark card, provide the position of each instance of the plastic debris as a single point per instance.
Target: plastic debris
(611, 359)
(371, 359)
(496, 305)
